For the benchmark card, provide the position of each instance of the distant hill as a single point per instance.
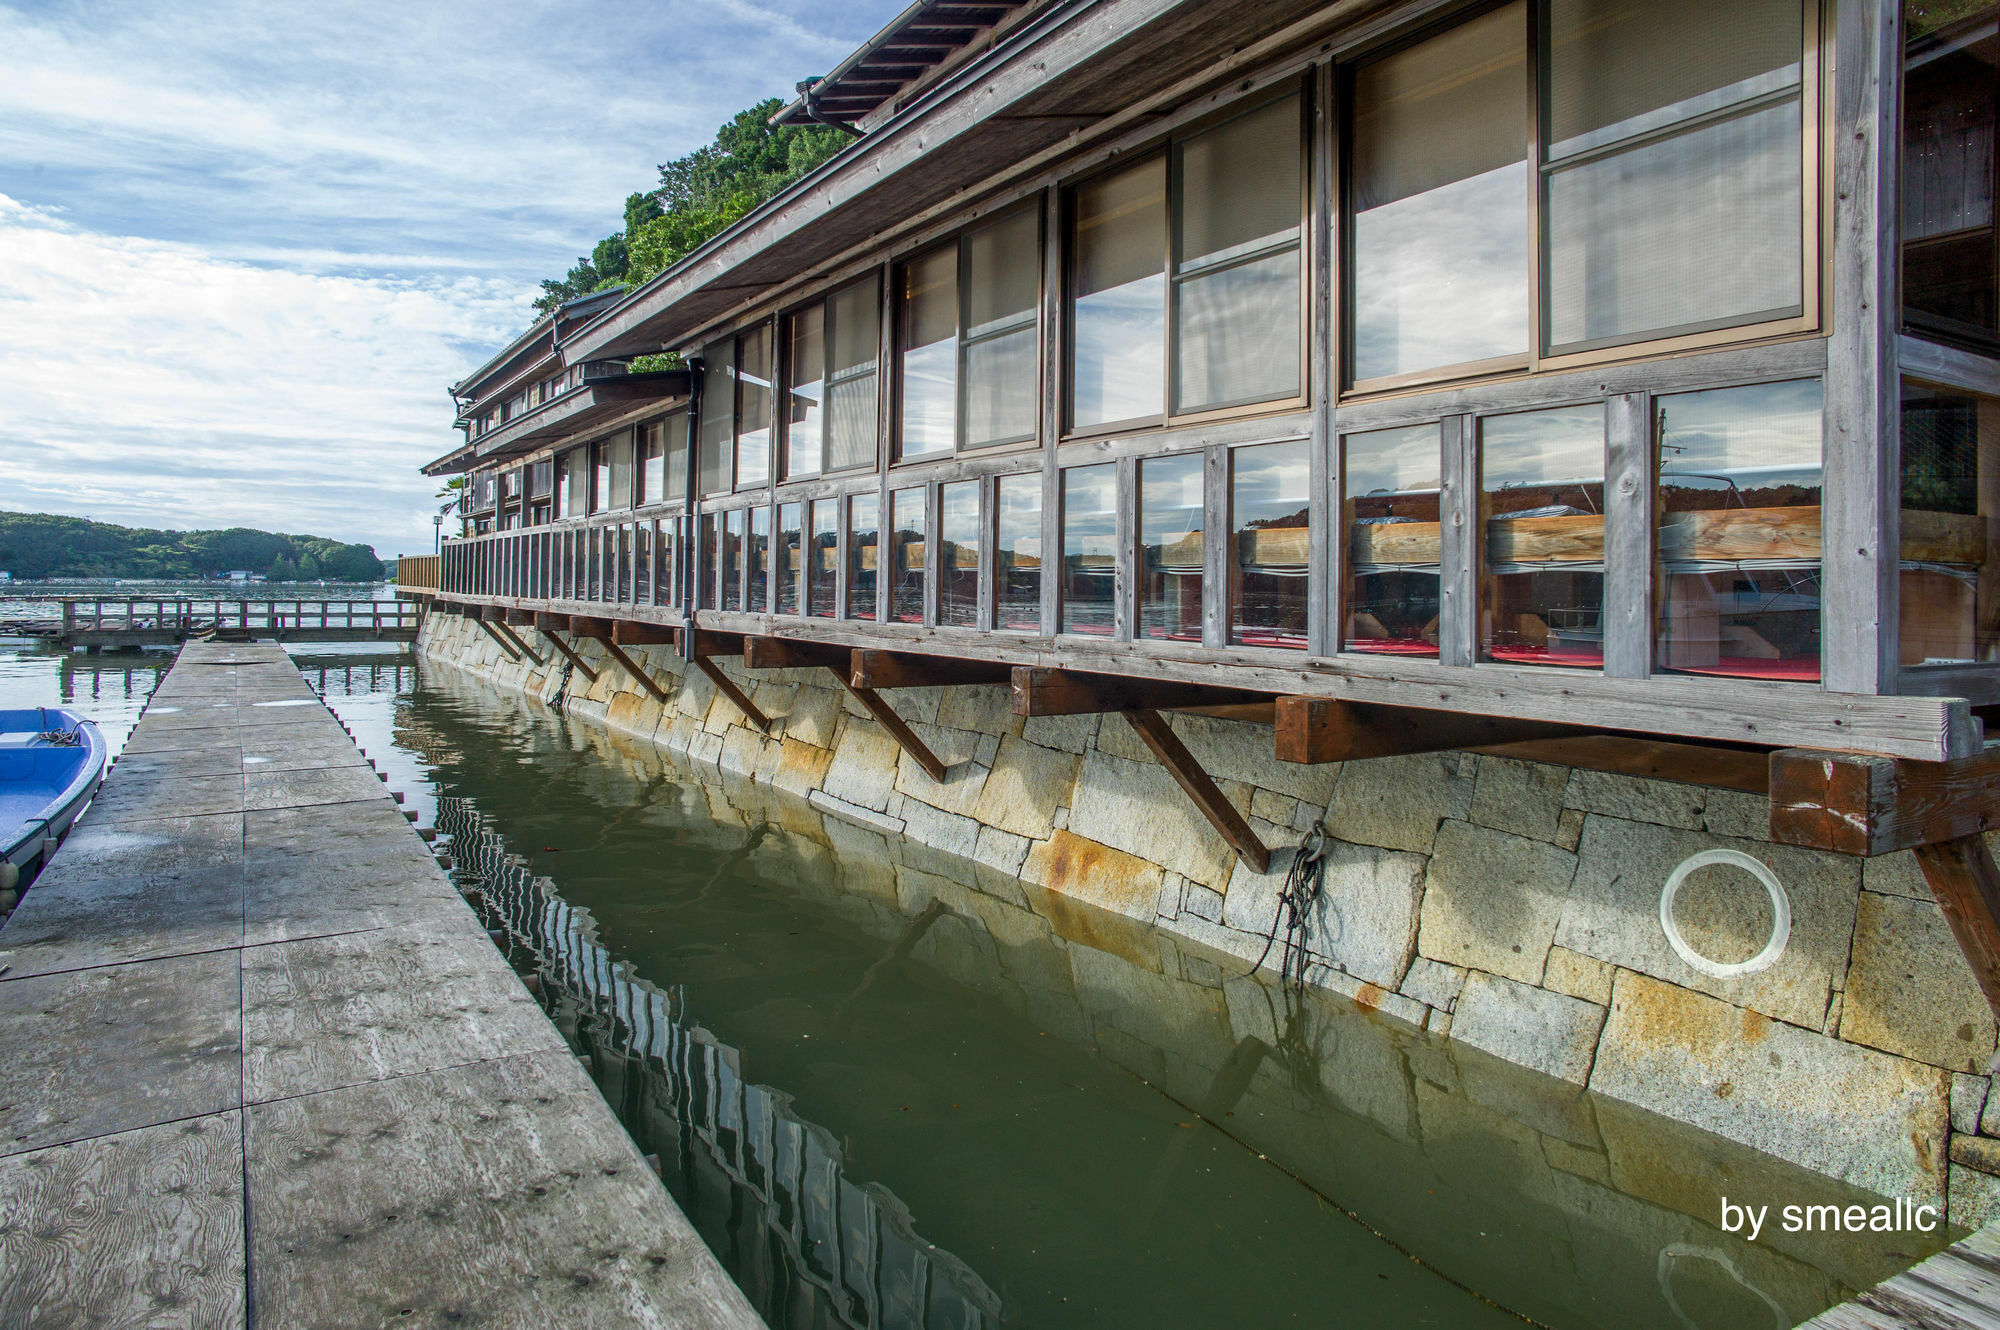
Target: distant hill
(39, 545)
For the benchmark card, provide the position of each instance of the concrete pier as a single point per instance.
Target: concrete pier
(260, 1063)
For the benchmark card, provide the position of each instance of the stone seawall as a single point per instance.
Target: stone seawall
(1511, 906)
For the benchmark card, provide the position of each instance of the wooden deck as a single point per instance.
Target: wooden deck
(1957, 1289)
(259, 1063)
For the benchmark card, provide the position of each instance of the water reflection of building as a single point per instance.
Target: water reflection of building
(807, 1244)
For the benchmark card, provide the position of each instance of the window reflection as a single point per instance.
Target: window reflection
(805, 392)
(930, 353)
(1270, 529)
(732, 559)
(1170, 547)
(864, 520)
(907, 550)
(759, 599)
(790, 564)
(1950, 601)
(1542, 517)
(958, 563)
(825, 551)
(1391, 481)
(854, 314)
(1118, 308)
(1951, 170)
(1018, 557)
(711, 549)
(718, 410)
(1003, 285)
(1739, 530)
(1089, 550)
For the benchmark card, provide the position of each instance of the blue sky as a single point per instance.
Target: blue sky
(244, 248)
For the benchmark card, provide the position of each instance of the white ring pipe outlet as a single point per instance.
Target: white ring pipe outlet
(1781, 914)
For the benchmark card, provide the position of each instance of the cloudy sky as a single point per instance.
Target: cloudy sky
(245, 247)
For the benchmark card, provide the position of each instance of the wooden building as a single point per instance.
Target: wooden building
(1614, 378)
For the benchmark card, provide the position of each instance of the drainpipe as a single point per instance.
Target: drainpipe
(692, 543)
(810, 91)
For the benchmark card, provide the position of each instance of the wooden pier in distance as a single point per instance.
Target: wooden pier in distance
(260, 1063)
(96, 623)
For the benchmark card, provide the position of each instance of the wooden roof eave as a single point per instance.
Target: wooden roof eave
(509, 364)
(578, 411)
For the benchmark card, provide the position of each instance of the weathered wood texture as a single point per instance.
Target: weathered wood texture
(727, 687)
(1856, 804)
(1957, 1289)
(899, 729)
(1159, 737)
(1039, 692)
(890, 669)
(270, 1035)
(1962, 876)
(493, 631)
(548, 632)
(1318, 729)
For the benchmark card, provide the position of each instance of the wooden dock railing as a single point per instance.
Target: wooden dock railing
(106, 620)
(417, 572)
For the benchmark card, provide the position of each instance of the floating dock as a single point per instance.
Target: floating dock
(260, 1063)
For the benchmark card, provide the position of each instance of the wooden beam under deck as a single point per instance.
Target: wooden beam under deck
(1153, 730)
(494, 633)
(779, 653)
(727, 687)
(1043, 692)
(1856, 804)
(1962, 876)
(548, 625)
(897, 669)
(709, 643)
(1323, 729)
(634, 633)
(500, 627)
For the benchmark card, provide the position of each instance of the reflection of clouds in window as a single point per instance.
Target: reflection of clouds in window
(1441, 278)
(1542, 447)
(930, 398)
(1000, 388)
(1120, 355)
(1271, 481)
(1239, 333)
(1771, 431)
(1394, 461)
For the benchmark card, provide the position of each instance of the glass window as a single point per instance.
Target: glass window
(1739, 530)
(1542, 510)
(907, 550)
(711, 543)
(759, 600)
(1439, 201)
(1951, 549)
(958, 564)
(600, 482)
(620, 448)
(718, 406)
(1090, 550)
(791, 518)
(1118, 299)
(1236, 270)
(1390, 482)
(820, 582)
(1170, 547)
(753, 408)
(642, 564)
(1003, 286)
(930, 353)
(1674, 168)
(1951, 94)
(674, 429)
(576, 482)
(854, 345)
(864, 520)
(805, 392)
(732, 558)
(1018, 555)
(1269, 521)
(652, 463)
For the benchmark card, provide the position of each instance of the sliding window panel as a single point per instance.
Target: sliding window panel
(790, 570)
(1951, 172)
(600, 475)
(1171, 547)
(1950, 601)
(1002, 289)
(711, 544)
(1391, 480)
(958, 554)
(758, 600)
(1541, 502)
(1237, 303)
(734, 523)
(908, 555)
(1090, 550)
(1118, 298)
(1740, 477)
(642, 563)
(1019, 558)
(853, 342)
(804, 414)
(652, 481)
(753, 408)
(1438, 205)
(822, 581)
(1674, 168)
(675, 487)
(928, 341)
(864, 522)
(1270, 537)
(718, 411)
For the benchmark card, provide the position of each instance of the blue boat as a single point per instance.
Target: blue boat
(50, 763)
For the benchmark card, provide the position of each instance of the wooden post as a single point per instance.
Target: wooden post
(1159, 736)
(1962, 876)
(727, 687)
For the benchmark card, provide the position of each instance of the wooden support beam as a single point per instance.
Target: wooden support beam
(592, 627)
(1153, 730)
(707, 642)
(902, 669)
(1963, 878)
(520, 618)
(1044, 692)
(784, 653)
(899, 730)
(493, 633)
(631, 667)
(1326, 729)
(549, 636)
(1856, 804)
(1712, 765)
(500, 626)
(727, 687)
(632, 633)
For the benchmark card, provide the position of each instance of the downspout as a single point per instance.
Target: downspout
(809, 90)
(692, 542)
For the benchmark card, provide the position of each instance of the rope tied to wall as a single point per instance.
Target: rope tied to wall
(1305, 878)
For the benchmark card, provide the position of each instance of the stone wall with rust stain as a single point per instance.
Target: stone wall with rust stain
(1512, 906)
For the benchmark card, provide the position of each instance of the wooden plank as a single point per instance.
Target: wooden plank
(707, 642)
(577, 662)
(1215, 553)
(635, 633)
(891, 669)
(1045, 692)
(898, 729)
(1158, 736)
(631, 667)
(781, 653)
(727, 687)
(1318, 729)
(1712, 765)
(1857, 804)
(1629, 582)
(1966, 883)
(493, 632)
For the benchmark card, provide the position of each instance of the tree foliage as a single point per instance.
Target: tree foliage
(698, 196)
(38, 545)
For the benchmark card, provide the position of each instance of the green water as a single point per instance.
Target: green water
(894, 1089)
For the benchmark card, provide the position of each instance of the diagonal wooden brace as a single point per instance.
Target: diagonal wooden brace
(493, 631)
(899, 730)
(727, 687)
(1963, 877)
(1159, 736)
(631, 667)
(515, 638)
(549, 635)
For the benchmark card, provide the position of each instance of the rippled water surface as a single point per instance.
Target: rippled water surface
(894, 1089)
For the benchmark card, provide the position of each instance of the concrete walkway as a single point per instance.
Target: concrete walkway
(260, 1064)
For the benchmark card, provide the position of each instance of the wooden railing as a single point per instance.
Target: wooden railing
(417, 572)
(146, 616)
